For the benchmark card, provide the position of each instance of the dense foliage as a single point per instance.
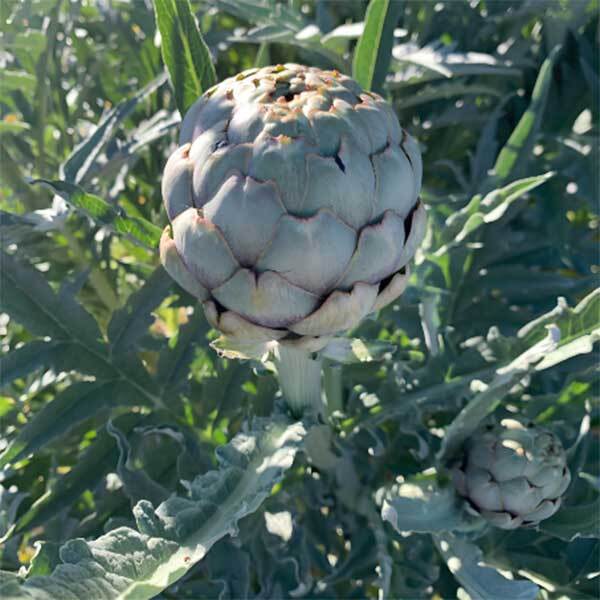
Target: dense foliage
(138, 462)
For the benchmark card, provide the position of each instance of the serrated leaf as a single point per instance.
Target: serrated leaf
(28, 298)
(568, 332)
(59, 356)
(490, 395)
(100, 211)
(174, 361)
(579, 328)
(481, 583)
(373, 52)
(126, 563)
(184, 52)
(81, 159)
(26, 359)
(484, 210)
(72, 406)
(94, 463)
(131, 322)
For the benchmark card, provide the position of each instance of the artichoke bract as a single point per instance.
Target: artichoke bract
(294, 204)
(513, 474)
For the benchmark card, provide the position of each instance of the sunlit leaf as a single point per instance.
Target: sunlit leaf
(184, 51)
(373, 51)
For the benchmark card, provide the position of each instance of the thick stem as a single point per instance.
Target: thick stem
(300, 379)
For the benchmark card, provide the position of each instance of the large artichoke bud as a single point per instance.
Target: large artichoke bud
(512, 474)
(293, 202)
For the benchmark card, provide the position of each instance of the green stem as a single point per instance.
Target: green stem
(300, 379)
(332, 380)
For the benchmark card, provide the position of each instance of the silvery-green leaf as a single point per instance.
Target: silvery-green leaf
(484, 210)
(579, 327)
(448, 63)
(171, 538)
(480, 582)
(423, 507)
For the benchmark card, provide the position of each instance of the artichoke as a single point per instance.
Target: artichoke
(513, 474)
(294, 204)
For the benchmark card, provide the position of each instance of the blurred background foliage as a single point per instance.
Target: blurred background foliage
(84, 98)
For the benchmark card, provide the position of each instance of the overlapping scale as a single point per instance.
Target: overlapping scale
(176, 268)
(377, 253)
(246, 212)
(513, 474)
(283, 161)
(392, 290)
(266, 299)
(311, 253)
(234, 325)
(247, 121)
(308, 196)
(340, 311)
(330, 185)
(209, 175)
(177, 182)
(373, 123)
(394, 182)
(411, 148)
(418, 225)
(206, 252)
(204, 114)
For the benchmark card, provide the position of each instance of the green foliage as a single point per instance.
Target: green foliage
(185, 54)
(130, 448)
(373, 51)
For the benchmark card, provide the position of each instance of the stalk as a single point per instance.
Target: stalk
(300, 379)
(332, 379)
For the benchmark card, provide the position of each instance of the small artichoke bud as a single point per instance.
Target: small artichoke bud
(294, 204)
(513, 475)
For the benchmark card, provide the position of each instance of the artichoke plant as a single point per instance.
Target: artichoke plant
(513, 474)
(294, 205)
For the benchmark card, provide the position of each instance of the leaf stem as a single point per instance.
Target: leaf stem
(332, 380)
